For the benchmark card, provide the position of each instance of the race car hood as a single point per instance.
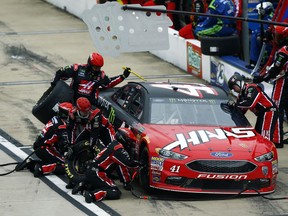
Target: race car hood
(185, 138)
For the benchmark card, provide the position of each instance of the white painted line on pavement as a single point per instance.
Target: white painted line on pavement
(55, 180)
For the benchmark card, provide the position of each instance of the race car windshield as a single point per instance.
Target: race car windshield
(194, 112)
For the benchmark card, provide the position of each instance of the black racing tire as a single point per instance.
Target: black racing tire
(144, 174)
(220, 46)
(46, 107)
(76, 165)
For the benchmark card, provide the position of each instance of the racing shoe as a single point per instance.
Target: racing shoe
(79, 188)
(23, 165)
(127, 186)
(38, 172)
(285, 141)
(70, 185)
(88, 196)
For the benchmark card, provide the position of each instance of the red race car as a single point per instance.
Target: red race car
(189, 140)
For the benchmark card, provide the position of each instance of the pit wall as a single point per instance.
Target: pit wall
(185, 54)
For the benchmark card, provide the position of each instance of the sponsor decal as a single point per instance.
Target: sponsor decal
(112, 115)
(137, 126)
(147, 139)
(81, 73)
(198, 137)
(157, 163)
(221, 176)
(194, 59)
(218, 73)
(221, 154)
(154, 172)
(195, 91)
(138, 136)
(156, 178)
(104, 103)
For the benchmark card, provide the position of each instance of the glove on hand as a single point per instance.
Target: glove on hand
(69, 153)
(137, 164)
(126, 72)
(257, 79)
(92, 165)
(231, 103)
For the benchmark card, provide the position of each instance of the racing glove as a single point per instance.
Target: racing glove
(92, 165)
(126, 72)
(231, 103)
(63, 144)
(136, 164)
(69, 152)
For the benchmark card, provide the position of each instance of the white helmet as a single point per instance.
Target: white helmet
(266, 6)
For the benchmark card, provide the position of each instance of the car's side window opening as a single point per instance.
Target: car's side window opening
(136, 105)
(122, 96)
(129, 98)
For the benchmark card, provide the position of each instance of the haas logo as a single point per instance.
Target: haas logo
(86, 87)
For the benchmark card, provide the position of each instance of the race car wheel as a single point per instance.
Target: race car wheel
(47, 105)
(219, 46)
(76, 164)
(144, 174)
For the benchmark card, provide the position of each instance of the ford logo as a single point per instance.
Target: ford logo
(221, 154)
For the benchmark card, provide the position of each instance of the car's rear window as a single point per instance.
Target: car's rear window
(194, 112)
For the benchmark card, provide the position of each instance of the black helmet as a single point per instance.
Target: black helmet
(236, 79)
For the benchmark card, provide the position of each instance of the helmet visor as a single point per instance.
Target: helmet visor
(95, 68)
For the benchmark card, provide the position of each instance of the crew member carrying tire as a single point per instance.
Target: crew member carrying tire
(88, 78)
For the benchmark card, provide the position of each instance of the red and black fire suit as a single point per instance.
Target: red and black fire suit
(252, 97)
(94, 127)
(86, 83)
(99, 185)
(278, 72)
(51, 144)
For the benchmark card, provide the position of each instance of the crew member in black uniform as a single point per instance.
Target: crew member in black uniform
(251, 96)
(97, 184)
(88, 78)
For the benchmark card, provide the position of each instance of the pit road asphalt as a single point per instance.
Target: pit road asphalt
(35, 40)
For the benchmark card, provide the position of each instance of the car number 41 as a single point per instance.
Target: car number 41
(175, 169)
